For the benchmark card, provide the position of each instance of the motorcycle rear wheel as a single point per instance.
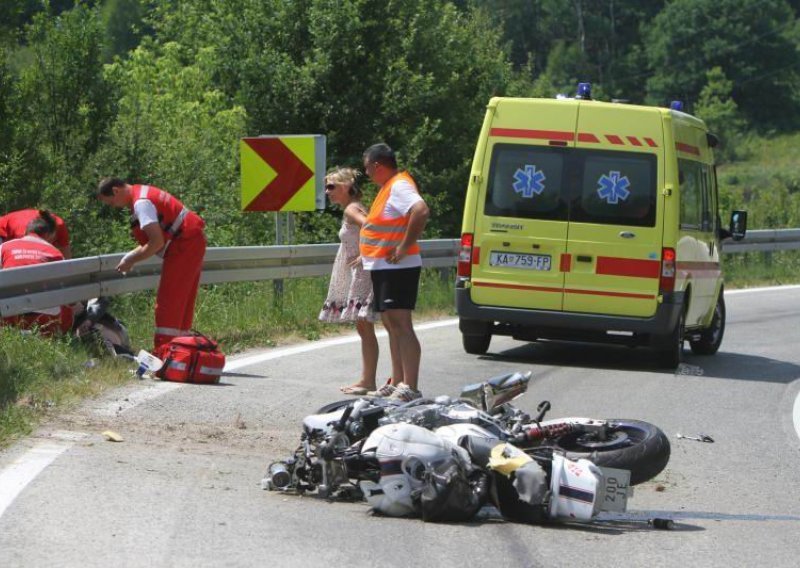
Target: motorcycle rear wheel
(639, 447)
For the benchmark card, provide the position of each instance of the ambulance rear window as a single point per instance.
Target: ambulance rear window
(560, 184)
(616, 188)
(526, 181)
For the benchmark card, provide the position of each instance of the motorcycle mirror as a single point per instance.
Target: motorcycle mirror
(542, 409)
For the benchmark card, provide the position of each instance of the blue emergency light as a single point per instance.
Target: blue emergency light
(584, 91)
(676, 105)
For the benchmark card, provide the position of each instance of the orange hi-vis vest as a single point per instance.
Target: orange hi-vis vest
(381, 234)
(173, 217)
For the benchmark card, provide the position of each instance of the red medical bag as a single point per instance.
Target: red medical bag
(191, 359)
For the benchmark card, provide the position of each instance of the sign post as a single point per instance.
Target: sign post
(283, 173)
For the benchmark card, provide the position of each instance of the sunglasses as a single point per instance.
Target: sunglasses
(330, 186)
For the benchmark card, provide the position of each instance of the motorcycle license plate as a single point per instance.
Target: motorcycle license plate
(615, 490)
(520, 260)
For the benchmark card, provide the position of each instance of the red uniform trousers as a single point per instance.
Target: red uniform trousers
(177, 290)
(46, 324)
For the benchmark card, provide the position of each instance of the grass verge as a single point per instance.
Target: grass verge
(39, 376)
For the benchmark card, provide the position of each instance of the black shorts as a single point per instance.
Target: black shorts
(395, 289)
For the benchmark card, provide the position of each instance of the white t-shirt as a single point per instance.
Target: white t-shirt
(402, 198)
(145, 212)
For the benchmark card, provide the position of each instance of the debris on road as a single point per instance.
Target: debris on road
(699, 438)
(112, 436)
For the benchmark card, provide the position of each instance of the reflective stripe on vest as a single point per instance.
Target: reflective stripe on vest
(170, 217)
(381, 234)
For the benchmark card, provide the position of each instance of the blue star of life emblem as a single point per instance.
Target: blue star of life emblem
(528, 181)
(613, 188)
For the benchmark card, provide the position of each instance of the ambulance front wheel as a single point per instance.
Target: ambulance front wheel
(711, 338)
(476, 344)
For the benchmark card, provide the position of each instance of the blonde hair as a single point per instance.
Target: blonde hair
(345, 176)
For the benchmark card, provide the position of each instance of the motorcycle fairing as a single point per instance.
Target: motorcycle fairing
(405, 453)
(574, 486)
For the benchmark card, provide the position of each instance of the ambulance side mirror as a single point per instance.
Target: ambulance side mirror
(712, 139)
(738, 226)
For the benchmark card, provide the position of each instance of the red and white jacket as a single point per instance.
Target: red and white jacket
(173, 218)
(28, 250)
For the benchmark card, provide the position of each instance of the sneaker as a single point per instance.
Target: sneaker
(405, 393)
(385, 390)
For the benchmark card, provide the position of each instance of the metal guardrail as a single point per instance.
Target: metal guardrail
(54, 284)
(765, 240)
(59, 283)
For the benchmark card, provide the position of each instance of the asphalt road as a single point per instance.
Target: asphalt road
(183, 489)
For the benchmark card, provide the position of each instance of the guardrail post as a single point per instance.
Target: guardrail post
(277, 284)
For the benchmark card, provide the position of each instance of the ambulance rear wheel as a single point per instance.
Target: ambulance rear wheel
(476, 344)
(670, 354)
(711, 337)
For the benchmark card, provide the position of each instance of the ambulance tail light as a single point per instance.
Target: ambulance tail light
(667, 280)
(465, 256)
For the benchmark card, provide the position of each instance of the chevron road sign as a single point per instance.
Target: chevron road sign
(283, 173)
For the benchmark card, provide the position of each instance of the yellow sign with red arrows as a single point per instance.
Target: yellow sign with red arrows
(283, 173)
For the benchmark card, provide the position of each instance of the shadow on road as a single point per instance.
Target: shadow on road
(723, 365)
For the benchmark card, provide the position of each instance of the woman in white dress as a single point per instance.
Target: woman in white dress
(350, 291)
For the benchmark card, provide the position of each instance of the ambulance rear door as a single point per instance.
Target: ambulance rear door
(521, 219)
(615, 231)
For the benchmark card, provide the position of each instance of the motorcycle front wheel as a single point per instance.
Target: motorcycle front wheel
(639, 447)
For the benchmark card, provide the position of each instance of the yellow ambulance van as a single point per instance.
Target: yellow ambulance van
(593, 221)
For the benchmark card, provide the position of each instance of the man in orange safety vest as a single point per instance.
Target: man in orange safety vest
(389, 250)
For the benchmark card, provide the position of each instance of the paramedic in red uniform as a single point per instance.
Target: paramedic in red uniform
(14, 225)
(162, 226)
(31, 249)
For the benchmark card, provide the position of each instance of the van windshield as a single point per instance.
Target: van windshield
(567, 184)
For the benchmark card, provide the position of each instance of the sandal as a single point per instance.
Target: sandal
(354, 389)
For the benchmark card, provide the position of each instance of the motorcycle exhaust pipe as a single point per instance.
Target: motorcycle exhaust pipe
(279, 475)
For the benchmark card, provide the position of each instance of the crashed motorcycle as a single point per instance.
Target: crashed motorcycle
(94, 322)
(444, 458)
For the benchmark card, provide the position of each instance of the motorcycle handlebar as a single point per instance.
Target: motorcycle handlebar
(345, 417)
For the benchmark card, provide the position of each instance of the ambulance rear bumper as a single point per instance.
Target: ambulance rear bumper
(478, 319)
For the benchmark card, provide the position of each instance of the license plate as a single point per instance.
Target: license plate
(615, 490)
(520, 260)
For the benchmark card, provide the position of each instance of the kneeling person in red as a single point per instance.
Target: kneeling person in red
(163, 226)
(14, 225)
(32, 249)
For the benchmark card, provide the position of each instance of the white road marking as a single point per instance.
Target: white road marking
(764, 289)
(304, 348)
(796, 415)
(17, 476)
(135, 398)
(796, 407)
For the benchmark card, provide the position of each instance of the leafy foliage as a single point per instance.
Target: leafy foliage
(159, 91)
(753, 43)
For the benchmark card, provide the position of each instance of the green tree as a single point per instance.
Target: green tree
(580, 40)
(124, 22)
(416, 74)
(716, 107)
(62, 98)
(175, 130)
(58, 107)
(750, 40)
